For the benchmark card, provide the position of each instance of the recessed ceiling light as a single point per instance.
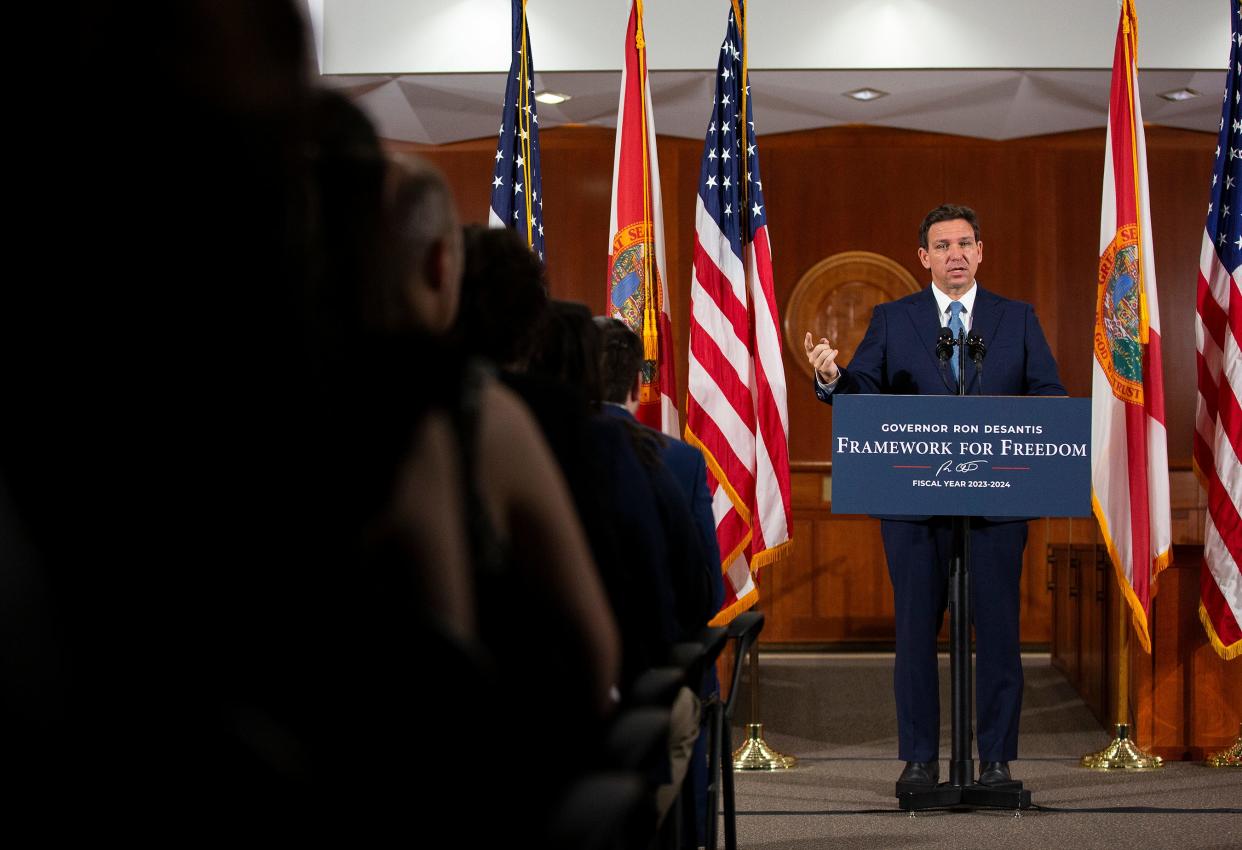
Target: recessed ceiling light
(866, 94)
(551, 97)
(1180, 94)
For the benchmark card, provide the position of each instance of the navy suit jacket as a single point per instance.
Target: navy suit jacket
(898, 353)
(686, 464)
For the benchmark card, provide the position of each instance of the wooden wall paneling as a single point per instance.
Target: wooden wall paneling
(853, 599)
(1179, 168)
(838, 591)
(1045, 244)
(1036, 609)
(1074, 206)
(1184, 701)
(1094, 573)
(986, 176)
(1196, 700)
(785, 588)
(678, 248)
(1113, 616)
(1083, 529)
(1142, 681)
(1188, 502)
(1169, 696)
(577, 190)
(786, 593)
(1215, 703)
(1066, 621)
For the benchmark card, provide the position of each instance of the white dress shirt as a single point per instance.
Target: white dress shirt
(942, 302)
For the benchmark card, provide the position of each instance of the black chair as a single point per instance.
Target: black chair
(600, 811)
(697, 657)
(637, 741)
(656, 687)
(744, 631)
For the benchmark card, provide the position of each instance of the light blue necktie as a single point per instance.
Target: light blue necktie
(955, 328)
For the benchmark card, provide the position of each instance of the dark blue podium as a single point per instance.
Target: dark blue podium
(961, 456)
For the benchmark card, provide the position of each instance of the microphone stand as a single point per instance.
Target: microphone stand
(961, 791)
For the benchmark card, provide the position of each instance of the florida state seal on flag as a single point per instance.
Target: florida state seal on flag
(1121, 329)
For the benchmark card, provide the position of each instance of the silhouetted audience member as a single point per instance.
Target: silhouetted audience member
(662, 553)
(543, 613)
(621, 369)
(504, 319)
(661, 544)
(504, 297)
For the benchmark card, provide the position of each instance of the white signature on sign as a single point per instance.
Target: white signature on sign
(960, 466)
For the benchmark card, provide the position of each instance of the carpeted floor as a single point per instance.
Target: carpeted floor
(835, 712)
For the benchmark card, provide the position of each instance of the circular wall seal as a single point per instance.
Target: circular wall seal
(835, 297)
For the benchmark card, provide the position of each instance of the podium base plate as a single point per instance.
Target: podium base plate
(1010, 795)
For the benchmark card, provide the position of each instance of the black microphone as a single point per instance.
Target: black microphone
(976, 348)
(944, 345)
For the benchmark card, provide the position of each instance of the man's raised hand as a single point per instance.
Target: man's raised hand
(823, 359)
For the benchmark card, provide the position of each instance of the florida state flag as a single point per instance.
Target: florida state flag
(636, 281)
(1129, 449)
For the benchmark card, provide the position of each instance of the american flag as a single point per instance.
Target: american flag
(736, 407)
(517, 199)
(1218, 334)
(1129, 446)
(637, 283)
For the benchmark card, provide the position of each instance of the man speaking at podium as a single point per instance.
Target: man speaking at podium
(898, 355)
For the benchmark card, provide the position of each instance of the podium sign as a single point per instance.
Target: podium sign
(993, 456)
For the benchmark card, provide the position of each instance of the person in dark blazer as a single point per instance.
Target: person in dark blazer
(898, 356)
(621, 358)
(620, 366)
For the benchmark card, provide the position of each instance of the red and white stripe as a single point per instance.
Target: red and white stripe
(736, 407)
(1218, 447)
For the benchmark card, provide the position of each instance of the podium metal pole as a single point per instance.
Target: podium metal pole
(961, 790)
(961, 672)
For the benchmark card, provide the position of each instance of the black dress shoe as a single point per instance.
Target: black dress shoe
(994, 773)
(918, 776)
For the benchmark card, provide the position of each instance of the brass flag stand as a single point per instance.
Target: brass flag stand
(755, 753)
(1122, 753)
(1231, 756)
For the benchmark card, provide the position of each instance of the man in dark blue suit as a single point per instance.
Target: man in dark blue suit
(898, 356)
(621, 355)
